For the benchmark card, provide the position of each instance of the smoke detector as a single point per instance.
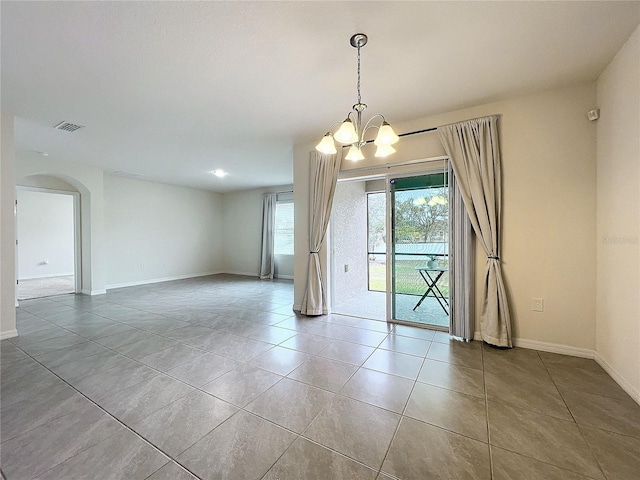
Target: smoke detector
(68, 126)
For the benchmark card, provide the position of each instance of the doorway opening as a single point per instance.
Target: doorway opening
(389, 248)
(351, 273)
(47, 247)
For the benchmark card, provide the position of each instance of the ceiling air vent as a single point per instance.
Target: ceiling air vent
(68, 126)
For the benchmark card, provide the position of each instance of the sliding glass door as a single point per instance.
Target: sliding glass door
(419, 250)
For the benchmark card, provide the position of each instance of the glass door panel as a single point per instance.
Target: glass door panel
(419, 253)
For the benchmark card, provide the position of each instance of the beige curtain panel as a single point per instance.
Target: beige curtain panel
(267, 257)
(474, 152)
(324, 171)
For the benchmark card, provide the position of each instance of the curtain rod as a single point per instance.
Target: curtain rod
(432, 129)
(388, 166)
(284, 191)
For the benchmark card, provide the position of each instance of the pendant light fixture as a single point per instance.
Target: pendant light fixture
(351, 131)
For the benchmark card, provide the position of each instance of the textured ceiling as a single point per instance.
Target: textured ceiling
(173, 90)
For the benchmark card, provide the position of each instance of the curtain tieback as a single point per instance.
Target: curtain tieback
(492, 257)
(310, 253)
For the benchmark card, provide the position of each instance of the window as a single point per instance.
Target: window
(283, 236)
(376, 232)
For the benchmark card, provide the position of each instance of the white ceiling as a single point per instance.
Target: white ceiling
(173, 90)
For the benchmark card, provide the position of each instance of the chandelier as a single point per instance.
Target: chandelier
(351, 131)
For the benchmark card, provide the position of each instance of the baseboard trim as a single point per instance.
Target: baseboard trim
(619, 379)
(8, 334)
(285, 277)
(46, 275)
(633, 392)
(546, 347)
(160, 280)
(244, 274)
(93, 292)
(553, 348)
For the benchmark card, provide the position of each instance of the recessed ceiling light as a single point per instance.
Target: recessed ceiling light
(219, 173)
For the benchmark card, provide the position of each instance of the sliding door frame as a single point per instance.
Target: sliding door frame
(390, 241)
(411, 168)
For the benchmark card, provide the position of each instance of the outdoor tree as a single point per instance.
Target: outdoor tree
(422, 218)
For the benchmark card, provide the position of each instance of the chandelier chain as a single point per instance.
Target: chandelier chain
(359, 98)
(352, 132)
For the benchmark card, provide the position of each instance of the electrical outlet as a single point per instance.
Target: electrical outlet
(346, 268)
(537, 304)
(142, 266)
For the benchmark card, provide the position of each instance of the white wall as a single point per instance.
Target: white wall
(48, 182)
(173, 231)
(7, 230)
(159, 232)
(46, 234)
(548, 248)
(618, 274)
(242, 224)
(349, 240)
(284, 266)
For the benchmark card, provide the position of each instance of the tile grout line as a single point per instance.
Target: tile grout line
(203, 391)
(335, 394)
(573, 417)
(534, 458)
(136, 384)
(486, 408)
(160, 372)
(272, 346)
(110, 415)
(96, 341)
(404, 409)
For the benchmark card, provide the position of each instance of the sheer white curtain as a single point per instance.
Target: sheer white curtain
(474, 151)
(267, 258)
(461, 265)
(324, 171)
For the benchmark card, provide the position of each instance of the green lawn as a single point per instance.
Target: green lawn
(408, 280)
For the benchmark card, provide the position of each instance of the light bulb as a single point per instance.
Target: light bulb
(326, 145)
(346, 133)
(384, 150)
(386, 135)
(354, 154)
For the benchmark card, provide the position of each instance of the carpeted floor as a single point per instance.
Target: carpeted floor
(45, 287)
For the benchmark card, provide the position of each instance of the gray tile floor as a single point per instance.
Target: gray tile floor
(215, 378)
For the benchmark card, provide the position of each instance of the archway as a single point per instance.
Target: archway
(64, 185)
